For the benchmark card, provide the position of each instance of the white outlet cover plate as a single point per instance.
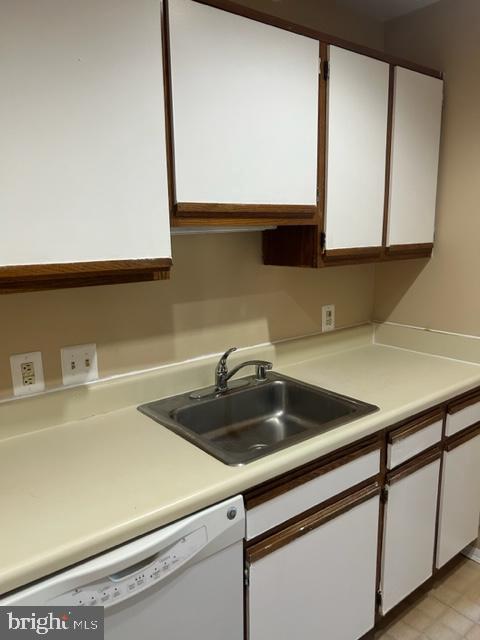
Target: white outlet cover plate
(328, 317)
(79, 364)
(16, 361)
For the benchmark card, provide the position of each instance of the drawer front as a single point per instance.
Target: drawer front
(463, 418)
(287, 505)
(404, 448)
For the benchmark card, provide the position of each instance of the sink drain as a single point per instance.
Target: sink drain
(258, 447)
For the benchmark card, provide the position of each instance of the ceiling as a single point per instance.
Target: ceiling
(384, 10)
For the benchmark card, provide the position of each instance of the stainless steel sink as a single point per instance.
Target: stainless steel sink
(244, 424)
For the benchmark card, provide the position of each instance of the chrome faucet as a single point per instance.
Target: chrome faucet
(223, 375)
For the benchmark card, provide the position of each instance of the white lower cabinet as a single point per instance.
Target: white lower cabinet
(409, 533)
(316, 579)
(460, 499)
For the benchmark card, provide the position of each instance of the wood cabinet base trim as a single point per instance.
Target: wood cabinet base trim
(40, 277)
(227, 213)
(311, 522)
(407, 250)
(359, 254)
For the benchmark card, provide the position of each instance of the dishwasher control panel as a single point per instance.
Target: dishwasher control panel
(137, 577)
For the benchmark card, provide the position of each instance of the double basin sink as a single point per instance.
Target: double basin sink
(243, 424)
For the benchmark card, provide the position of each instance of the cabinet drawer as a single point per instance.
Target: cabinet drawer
(412, 438)
(312, 489)
(462, 414)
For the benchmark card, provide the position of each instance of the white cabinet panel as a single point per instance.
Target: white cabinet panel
(321, 585)
(460, 500)
(245, 109)
(462, 419)
(83, 162)
(409, 535)
(287, 505)
(356, 150)
(417, 115)
(405, 448)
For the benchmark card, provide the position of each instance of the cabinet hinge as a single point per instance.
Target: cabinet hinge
(379, 598)
(384, 494)
(326, 70)
(246, 576)
(322, 241)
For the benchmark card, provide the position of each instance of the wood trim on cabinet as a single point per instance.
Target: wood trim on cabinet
(324, 53)
(320, 517)
(463, 436)
(411, 427)
(358, 254)
(168, 101)
(298, 477)
(69, 270)
(409, 467)
(388, 158)
(259, 16)
(225, 211)
(409, 250)
(42, 277)
(463, 403)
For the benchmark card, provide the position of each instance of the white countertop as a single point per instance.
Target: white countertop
(75, 489)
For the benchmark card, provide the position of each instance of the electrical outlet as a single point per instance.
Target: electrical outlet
(328, 317)
(79, 364)
(27, 373)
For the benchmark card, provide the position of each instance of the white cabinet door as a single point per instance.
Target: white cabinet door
(356, 150)
(417, 115)
(83, 163)
(409, 535)
(321, 584)
(245, 109)
(460, 500)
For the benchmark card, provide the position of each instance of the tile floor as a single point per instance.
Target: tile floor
(450, 611)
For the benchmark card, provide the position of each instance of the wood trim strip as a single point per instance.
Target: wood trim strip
(409, 428)
(168, 101)
(463, 403)
(357, 254)
(464, 436)
(322, 142)
(418, 250)
(259, 16)
(302, 476)
(30, 272)
(388, 158)
(288, 534)
(19, 286)
(406, 469)
(219, 210)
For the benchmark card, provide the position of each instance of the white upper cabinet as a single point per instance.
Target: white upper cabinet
(83, 163)
(357, 120)
(245, 109)
(417, 115)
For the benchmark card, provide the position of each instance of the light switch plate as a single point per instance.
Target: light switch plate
(328, 317)
(27, 373)
(79, 364)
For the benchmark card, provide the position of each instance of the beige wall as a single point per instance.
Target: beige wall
(219, 295)
(444, 293)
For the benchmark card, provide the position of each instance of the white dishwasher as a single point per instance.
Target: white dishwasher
(182, 582)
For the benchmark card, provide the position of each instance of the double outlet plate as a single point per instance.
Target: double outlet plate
(79, 365)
